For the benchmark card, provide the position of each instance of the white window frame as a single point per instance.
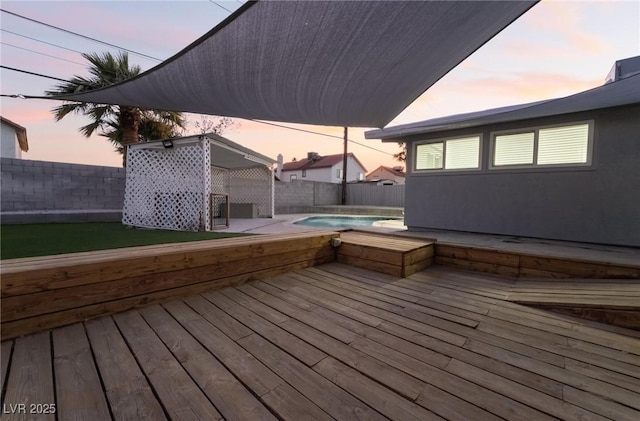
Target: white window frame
(536, 131)
(444, 155)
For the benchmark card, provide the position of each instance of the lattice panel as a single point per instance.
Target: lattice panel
(253, 185)
(220, 180)
(206, 180)
(166, 188)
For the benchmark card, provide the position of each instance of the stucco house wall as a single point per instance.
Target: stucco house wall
(315, 174)
(9, 146)
(599, 203)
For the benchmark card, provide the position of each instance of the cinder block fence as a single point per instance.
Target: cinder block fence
(41, 191)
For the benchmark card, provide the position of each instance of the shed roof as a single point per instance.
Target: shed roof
(323, 162)
(21, 133)
(334, 63)
(623, 92)
(224, 152)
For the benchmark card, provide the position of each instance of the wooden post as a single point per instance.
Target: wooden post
(344, 170)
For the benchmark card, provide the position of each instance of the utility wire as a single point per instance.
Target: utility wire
(250, 119)
(39, 40)
(29, 73)
(42, 54)
(80, 35)
(220, 6)
(319, 134)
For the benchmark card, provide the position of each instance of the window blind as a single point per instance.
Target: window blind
(513, 149)
(563, 145)
(429, 156)
(463, 153)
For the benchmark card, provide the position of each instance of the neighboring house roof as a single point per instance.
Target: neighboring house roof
(389, 169)
(355, 64)
(322, 162)
(614, 94)
(21, 133)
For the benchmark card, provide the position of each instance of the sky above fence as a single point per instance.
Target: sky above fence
(555, 49)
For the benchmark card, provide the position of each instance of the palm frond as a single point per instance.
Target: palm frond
(114, 121)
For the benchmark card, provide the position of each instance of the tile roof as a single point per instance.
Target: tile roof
(323, 162)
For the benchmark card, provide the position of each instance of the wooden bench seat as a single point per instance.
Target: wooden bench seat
(398, 256)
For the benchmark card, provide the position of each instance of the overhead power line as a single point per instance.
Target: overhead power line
(319, 134)
(80, 35)
(220, 6)
(39, 40)
(42, 54)
(30, 73)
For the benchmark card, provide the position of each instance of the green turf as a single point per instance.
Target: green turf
(45, 239)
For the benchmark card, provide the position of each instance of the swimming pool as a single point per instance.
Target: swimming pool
(344, 221)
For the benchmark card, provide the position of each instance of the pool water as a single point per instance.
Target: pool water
(343, 221)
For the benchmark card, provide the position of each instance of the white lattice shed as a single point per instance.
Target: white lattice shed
(191, 183)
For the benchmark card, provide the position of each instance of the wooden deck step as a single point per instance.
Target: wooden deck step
(525, 265)
(612, 301)
(397, 256)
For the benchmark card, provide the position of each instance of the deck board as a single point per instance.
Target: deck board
(338, 342)
(30, 378)
(5, 355)
(228, 395)
(334, 400)
(182, 398)
(78, 390)
(128, 392)
(244, 365)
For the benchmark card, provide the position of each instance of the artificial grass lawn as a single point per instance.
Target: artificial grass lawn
(45, 239)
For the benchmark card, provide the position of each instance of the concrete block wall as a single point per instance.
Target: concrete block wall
(300, 196)
(33, 186)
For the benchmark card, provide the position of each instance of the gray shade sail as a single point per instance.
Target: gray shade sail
(334, 63)
(615, 94)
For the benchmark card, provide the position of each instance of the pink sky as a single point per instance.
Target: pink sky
(555, 49)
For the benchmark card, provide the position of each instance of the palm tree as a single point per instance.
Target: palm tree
(153, 125)
(121, 124)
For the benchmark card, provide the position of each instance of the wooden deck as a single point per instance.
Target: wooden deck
(331, 342)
